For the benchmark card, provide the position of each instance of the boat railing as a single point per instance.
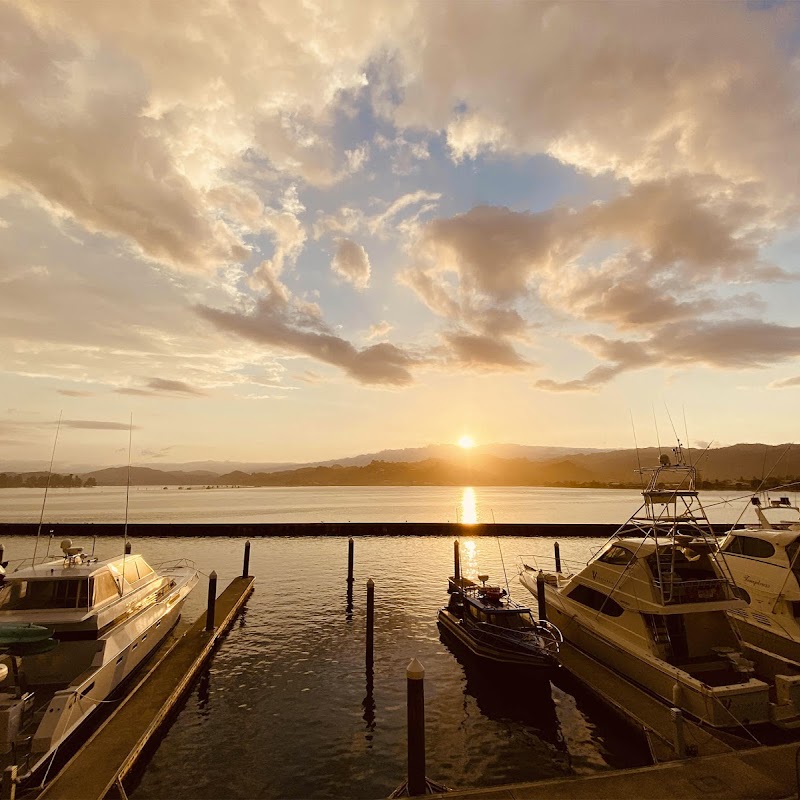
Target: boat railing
(547, 563)
(676, 590)
(542, 636)
(163, 567)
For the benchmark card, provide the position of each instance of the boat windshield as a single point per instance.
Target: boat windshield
(45, 594)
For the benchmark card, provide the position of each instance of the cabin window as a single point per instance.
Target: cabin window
(587, 596)
(144, 568)
(105, 587)
(748, 546)
(617, 555)
(131, 573)
(20, 595)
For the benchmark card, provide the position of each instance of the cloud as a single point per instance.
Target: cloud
(351, 263)
(283, 323)
(95, 425)
(729, 344)
(379, 330)
(787, 383)
(74, 393)
(162, 386)
(483, 352)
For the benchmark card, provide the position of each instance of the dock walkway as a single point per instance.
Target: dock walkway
(645, 711)
(110, 753)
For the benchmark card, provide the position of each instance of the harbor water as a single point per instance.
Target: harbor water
(286, 708)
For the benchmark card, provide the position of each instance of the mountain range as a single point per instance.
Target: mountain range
(737, 466)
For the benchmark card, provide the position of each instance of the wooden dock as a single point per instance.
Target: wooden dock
(111, 752)
(763, 773)
(645, 712)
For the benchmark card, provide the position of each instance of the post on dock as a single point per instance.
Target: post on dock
(415, 680)
(350, 572)
(212, 601)
(370, 623)
(8, 791)
(557, 551)
(127, 547)
(456, 561)
(246, 565)
(3, 551)
(540, 596)
(680, 739)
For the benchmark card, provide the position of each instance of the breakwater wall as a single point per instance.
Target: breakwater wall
(267, 529)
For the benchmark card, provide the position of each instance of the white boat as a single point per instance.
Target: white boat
(764, 560)
(653, 604)
(71, 631)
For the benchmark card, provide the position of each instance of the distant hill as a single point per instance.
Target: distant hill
(144, 476)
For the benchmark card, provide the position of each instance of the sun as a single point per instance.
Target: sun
(466, 442)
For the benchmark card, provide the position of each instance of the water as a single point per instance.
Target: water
(343, 504)
(285, 708)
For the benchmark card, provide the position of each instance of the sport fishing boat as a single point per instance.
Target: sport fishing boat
(653, 604)
(494, 627)
(71, 631)
(764, 560)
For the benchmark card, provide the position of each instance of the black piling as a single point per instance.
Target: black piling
(349, 574)
(415, 680)
(370, 623)
(246, 565)
(557, 551)
(456, 561)
(212, 601)
(3, 552)
(540, 596)
(127, 547)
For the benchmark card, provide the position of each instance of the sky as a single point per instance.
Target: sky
(296, 231)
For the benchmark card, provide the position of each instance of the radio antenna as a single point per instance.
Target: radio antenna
(46, 487)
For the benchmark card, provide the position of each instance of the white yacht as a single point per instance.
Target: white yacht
(653, 603)
(71, 631)
(764, 560)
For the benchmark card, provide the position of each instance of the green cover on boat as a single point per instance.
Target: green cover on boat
(21, 633)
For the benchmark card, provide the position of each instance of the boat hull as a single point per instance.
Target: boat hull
(719, 706)
(492, 652)
(759, 636)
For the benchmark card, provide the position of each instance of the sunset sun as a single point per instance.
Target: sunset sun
(466, 442)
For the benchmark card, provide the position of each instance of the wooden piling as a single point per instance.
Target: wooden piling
(127, 547)
(557, 552)
(350, 572)
(212, 601)
(680, 739)
(540, 596)
(246, 564)
(370, 623)
(415, 681)
(456, 561)
(8, 790)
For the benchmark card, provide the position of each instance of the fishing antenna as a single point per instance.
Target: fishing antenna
(655, 422)
(502, 561)
(636, 445)
(679, 451)
(686, 431)
(46, 487)
(127, 496)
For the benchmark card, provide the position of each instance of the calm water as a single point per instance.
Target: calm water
(284, 708)
(342, 504)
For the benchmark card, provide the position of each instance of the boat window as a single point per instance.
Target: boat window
(131, 573)
(105, 587)
(749, 546)
(144, 568)
(21, 595)
(596, 600)
(617, 555)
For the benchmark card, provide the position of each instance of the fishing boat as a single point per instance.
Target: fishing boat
(495, 628)
(72, 630)
(653, 604)
(764, 560)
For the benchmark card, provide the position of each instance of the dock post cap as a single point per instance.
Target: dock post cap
(415, 671)
(370, 583)
(213, 574)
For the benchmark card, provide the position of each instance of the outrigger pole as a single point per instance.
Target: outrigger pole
(47, 486)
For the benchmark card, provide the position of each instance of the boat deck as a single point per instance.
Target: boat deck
(111, 752)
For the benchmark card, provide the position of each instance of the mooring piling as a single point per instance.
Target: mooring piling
(127, 547)
(3, 552)
(415, 681)
(212, 600)
(370, 623)
(540, 596)
(246, 564)
(456, 561)
(680, 739)
(8, 790)
(350, 573)
(557, 552)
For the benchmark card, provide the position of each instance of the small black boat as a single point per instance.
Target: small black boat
(488, 622)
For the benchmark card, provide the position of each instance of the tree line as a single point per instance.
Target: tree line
(38, 480)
